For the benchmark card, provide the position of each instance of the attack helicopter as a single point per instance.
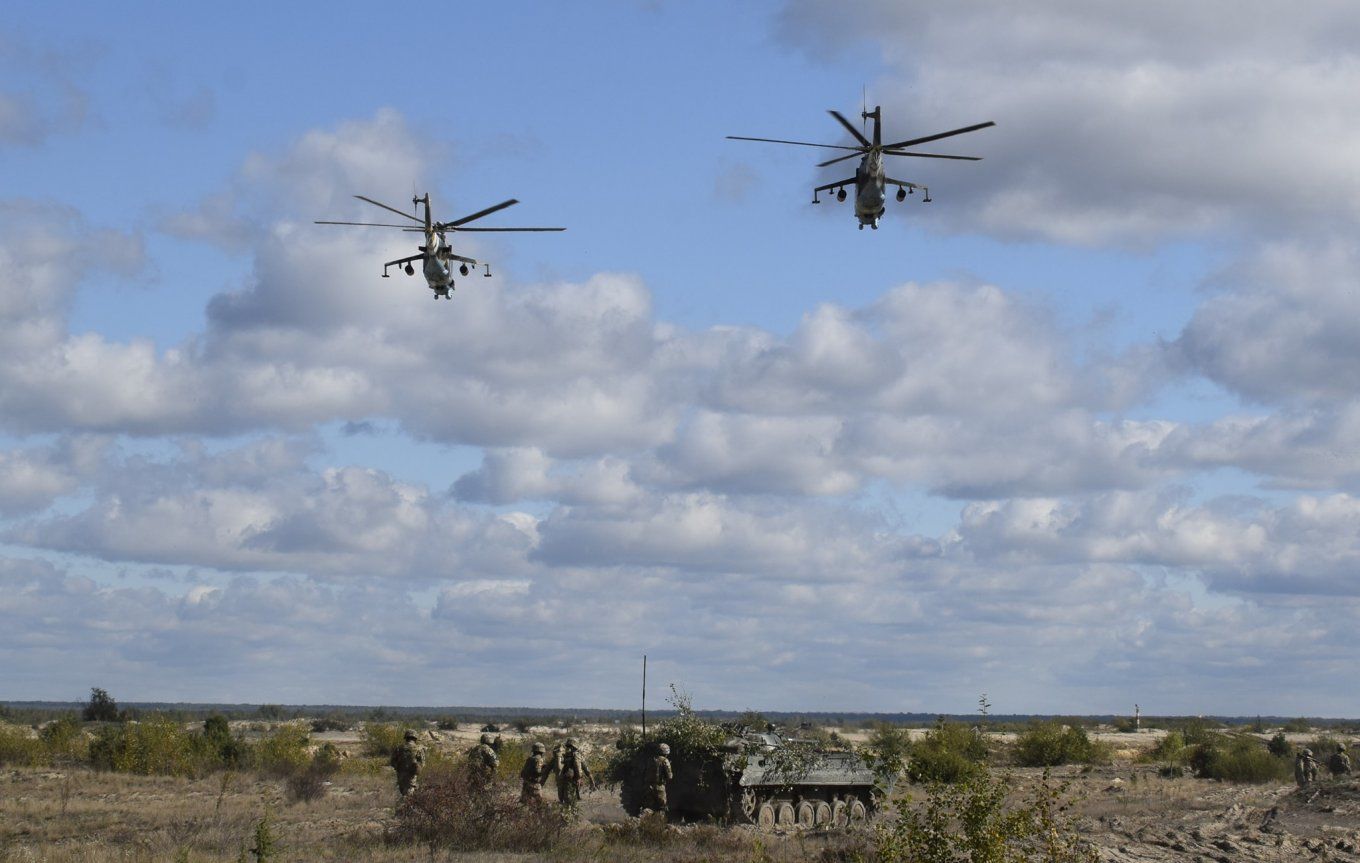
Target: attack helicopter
(436, 256)
(870, 179)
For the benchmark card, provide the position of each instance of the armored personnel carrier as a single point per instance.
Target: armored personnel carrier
(758, 777)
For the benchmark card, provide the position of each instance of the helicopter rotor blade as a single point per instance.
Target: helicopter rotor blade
(835, 160)
(851, 129)
(799, 143)
(488, 230)
(367, 225)
(914, 141)
(480, 213)
(391, 209)
(932, 156)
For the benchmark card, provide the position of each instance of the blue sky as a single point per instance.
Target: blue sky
(1080, 433)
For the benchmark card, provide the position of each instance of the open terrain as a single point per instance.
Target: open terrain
(1125, 808)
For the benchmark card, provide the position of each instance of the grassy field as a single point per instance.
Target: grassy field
(1125, 806)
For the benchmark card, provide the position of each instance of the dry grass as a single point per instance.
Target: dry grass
(80, 816)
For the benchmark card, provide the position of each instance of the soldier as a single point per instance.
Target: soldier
(658, 774)
(533, 775)
(406, 760)
(570, 765)
(1340, 763)
(1305, 768)
(484, 761)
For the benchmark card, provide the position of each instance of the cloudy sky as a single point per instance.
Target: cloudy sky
(1083, 432)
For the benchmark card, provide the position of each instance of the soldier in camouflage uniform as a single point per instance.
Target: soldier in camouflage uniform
(570, 765)
(533, 775)
(1305, 768)
(658, 774)
(1340, 763)
(484, 761)
(406, 760)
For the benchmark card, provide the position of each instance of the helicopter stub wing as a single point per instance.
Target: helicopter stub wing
(399, 261)
(901, 184)
(829, 186)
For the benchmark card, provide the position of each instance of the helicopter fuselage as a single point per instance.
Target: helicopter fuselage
(869, 194)
(436, 268)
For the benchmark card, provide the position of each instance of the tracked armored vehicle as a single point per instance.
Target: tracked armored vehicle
(760, 778)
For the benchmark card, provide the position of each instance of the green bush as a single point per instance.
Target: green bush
(284, 752)
(971, 821)
(1298, 726)
(329, 723)
(63, 740)
(1197, 730)
(380, 738)
(1170, 749)
(1048, 744)
(1239, 759)
(949, 752)
(1280, 747)
(18, 747)
(156, 745)
(228, 751)
(887, 751)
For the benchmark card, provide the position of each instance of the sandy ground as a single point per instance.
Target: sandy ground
(1129, 812)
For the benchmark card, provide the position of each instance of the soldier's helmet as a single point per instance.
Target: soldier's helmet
(410, 734)
(539, 748)
(571, 742)
(664, 749)
(1307, 753)
(486, 739)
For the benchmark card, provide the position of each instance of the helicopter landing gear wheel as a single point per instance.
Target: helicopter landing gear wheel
(807, 816)
(765, 817)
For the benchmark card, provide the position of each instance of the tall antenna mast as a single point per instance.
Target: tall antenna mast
(644, 696)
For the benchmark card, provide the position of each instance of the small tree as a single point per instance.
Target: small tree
(100, 708)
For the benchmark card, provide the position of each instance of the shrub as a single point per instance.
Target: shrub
(283, 753)
(223, 749)
(100, 708)
(950, 752)
(970, 821)
(451, 810)
(156, 745)
(1048, 744)
(1280, 747)
(1239, 759)
(1298, 726)
(310, 784)
(1170, 749)
(380, 738)
(447, 723)
(19, 747)
(329, 723)
(1197, 730)
(63, 740)
(887, 751)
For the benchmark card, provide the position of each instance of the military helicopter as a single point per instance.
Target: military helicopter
(436, 256)
(870, 179)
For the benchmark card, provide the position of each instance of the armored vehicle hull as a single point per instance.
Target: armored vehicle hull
(760, 779)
